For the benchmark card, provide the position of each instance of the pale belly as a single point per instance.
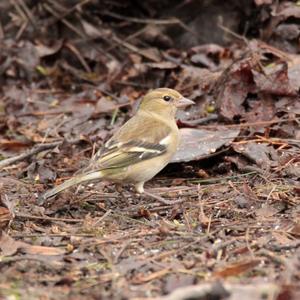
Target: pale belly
(144, 171)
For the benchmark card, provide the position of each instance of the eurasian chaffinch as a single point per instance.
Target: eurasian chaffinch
(142, 147)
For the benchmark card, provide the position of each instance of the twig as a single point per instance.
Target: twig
(217, 179)
(46, 218)
(27, 12)
(247, 242)
(69, 111)
(25, 216)
(22, 15)
(135, 84)
(19, 10)
(61, 17)
(46, 112)
(132, 48)
(64, 21)
(119, 253)
(151, 21)
(33, 151)
(274, 257)
(250, 124)
(37, 235)
(211, 117)
(236, 35)
(279, 248)
(81, 59)
(21, 30)
(162, 200)
(1, 31)
(103, 217)
(68, 11)
(142, 21)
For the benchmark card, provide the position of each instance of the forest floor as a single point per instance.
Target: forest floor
(72, 72)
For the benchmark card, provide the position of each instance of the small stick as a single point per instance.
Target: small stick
(1, 31)
(77, 53)
(46, 218)
(27, 12)
(162, 200)
(33, 151)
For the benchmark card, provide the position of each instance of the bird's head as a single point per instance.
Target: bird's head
(164, 101)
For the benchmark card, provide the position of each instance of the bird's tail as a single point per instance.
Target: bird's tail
(70, 182)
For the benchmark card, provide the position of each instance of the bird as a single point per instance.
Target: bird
(140, 148)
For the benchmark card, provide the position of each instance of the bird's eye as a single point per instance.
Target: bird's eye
(167, 98)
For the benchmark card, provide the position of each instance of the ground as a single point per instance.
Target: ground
(72, 72)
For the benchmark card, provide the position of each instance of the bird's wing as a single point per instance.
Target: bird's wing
(139, 139)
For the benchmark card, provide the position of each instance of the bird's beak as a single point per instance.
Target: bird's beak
(183, 102)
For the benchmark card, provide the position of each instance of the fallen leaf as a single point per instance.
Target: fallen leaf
(93, 31)
(6, 209)
(287, 31)
(287, 10)
(105, 104)
(9, 246)
(13, 144)
(5, 218)
(197, 144)
(274, 80)
(261, 108)
(46, 50)
(151, 53)
(41, 250)
(266, 211)
(233, 87)
(260, 154)
(295, 230)
(237, 269)
(195, 81)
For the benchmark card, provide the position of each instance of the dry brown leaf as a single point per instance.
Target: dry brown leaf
(237, 269)
(46, 50)
(9, 246)
(295, 230)
(281, 238)
(266, 211)
(13, 145)
(5, 218)
(41, 250)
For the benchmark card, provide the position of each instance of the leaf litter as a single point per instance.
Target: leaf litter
(72, 73)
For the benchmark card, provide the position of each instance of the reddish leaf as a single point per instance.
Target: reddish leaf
(237, 269)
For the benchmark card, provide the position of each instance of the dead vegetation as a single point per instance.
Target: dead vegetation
(73, 71)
